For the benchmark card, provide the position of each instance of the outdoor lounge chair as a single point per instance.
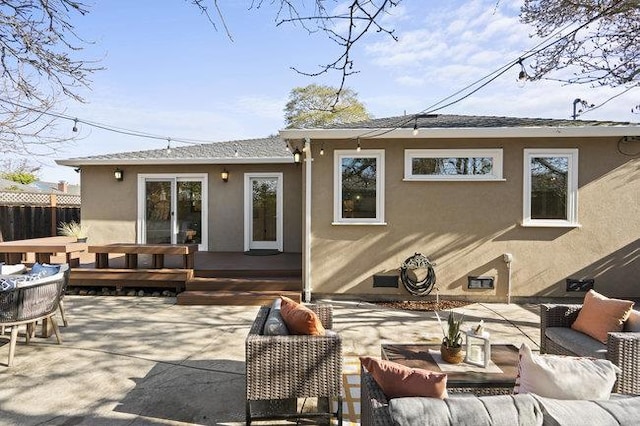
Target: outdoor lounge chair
(293, 366)
(622, 348)
(31, 301)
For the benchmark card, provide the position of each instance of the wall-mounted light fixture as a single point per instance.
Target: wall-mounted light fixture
(297, 156)
(224, 175)
(118, 174)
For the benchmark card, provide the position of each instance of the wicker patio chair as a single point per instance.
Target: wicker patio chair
(29, 304)
(293, 366)
(623, 348)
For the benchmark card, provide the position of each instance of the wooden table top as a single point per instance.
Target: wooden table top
(417, 356)
(43, 245)
(132, 248)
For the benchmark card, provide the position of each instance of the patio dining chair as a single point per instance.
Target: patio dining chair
(29, 301)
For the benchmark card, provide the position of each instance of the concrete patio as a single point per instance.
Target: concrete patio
(148, 361)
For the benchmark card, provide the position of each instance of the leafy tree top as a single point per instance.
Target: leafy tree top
(314, 106)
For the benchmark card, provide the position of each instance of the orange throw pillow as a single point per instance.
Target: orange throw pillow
(300, 319)
(397, 381)
(600, 315)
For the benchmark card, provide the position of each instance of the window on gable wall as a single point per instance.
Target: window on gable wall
(359, 187)
(550, 187)
(453, 164)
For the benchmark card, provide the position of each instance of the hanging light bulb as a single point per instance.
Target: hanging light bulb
(415, 127)
(522, 75)
(359, 148)
(236, 153)
(168, 146)
(75, 125)
(322, 149)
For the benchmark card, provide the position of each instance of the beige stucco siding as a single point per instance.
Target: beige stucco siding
(110, 207)
(466, 227)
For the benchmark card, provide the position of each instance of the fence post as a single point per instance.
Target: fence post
(53, 202)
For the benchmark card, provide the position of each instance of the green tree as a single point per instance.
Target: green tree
(20, 176)
(313, 106)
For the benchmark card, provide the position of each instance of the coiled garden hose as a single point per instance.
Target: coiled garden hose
(418, 284)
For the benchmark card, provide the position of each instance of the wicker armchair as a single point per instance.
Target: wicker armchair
(26, 305)
(623, 348)
(293, 366)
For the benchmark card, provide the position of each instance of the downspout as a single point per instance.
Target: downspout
(307, 221)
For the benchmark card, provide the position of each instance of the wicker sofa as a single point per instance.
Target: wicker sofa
(293, 366)
(494, 410)
(622, 348)
(31, 301)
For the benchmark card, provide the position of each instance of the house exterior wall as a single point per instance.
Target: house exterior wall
(110, 207)
(465, 227)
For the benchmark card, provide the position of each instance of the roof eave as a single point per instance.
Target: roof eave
(76, 162)
(463, 132)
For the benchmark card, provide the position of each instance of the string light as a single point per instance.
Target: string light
(322, 149)
(236, 153)
(359, 148)
(75, 125)
(415, 127)
(522, 75)
(168, 145)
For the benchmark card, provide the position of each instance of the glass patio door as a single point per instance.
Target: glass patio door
(171, 210)
(263, 215)
(158, 212)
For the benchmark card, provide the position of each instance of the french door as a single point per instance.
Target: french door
(263, 211)
(172, 209)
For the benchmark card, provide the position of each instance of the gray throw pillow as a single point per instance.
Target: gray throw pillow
(274, 325)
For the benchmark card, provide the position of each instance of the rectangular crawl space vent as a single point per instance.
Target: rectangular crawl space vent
(480, 282)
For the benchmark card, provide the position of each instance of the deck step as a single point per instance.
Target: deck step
(233, 298)
(238, 273)
(245, 284)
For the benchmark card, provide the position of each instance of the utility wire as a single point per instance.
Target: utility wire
(492, 76)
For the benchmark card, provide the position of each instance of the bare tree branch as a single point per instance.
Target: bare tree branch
(37, 44)
(597, 40)
(362, 17)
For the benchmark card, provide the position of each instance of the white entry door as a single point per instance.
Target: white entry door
(263, 211)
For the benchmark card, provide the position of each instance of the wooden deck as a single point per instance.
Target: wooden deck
(232, 278)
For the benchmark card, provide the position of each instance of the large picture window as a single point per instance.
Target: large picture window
(550, 187)
(359, 187)
(453, 164)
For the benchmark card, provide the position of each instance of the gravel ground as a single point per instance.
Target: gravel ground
(418, 305)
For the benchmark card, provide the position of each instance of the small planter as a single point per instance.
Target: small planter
(451, 354)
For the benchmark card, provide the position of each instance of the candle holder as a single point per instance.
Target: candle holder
(477, 348)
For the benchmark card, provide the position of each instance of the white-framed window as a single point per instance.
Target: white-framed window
(453, 164)
(550, 187)
(358, 187)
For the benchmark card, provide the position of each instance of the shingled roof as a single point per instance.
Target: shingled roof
(464, 126)
(266, 150)
(467, 121)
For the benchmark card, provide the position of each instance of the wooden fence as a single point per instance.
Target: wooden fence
(37, 218)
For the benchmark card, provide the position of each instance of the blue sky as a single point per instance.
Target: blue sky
(168, 72)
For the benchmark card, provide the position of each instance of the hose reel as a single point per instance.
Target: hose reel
(417, 275)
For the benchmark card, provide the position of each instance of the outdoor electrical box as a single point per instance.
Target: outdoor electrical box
(480, 282)
(580, 285)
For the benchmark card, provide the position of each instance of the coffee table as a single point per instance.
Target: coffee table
(480, 383)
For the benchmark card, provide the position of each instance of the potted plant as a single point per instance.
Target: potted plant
(451, 348)
(74, 229)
